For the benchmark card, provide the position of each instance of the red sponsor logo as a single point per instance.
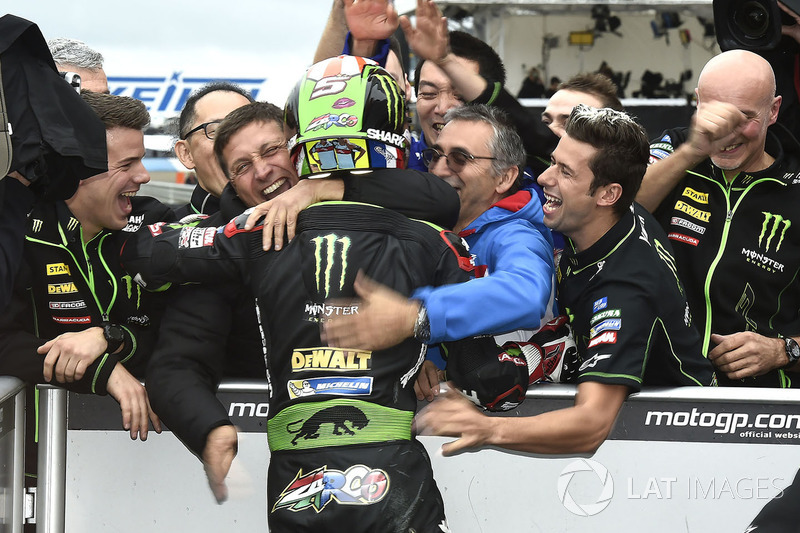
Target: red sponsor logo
(504, 357)
(680, 237)
(608, 337)
(208, 237)
(73, 319)
(155, 229)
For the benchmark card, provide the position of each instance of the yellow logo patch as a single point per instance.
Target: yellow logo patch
(331, 359)
(693, 211)
(700, 197)
(61, 288)
(55, 269)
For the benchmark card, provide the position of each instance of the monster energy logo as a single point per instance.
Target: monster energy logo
(394, 101)
(72, 224)
(325, 254)
(130, 285)
(770, 227)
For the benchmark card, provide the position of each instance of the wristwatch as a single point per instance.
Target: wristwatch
(115, 336)
(792, 352)
(422, 326)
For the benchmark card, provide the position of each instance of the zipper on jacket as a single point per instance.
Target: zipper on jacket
(723, 244)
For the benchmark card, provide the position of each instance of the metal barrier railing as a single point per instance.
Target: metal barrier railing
(12, 458)
(686, 459)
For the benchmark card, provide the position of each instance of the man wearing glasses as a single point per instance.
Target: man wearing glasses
(479, 154)
(201, 115)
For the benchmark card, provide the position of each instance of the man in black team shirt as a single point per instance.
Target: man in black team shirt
(617, 283)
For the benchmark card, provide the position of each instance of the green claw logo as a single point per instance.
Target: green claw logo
(327, 245)
(770, 227)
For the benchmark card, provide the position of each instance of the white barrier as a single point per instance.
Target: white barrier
(168, 193)
(686, 460)
(12, 447)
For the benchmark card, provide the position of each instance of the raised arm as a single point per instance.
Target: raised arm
(714, 126)
(430, 41)
(331, 42)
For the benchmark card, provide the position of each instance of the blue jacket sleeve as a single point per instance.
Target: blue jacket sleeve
(380, 54)
(515, 295)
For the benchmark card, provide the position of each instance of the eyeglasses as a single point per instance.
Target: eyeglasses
(209, 128)
(243, 166)
(456, 160)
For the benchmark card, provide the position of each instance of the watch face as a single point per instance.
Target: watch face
(793, 349)
(114, 334)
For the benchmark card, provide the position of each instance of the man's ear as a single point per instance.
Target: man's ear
(507, 180)
(184, 154)
(609, 194)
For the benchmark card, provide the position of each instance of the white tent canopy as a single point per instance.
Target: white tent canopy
(536, 33)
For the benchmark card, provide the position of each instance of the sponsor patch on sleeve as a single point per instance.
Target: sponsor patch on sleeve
(610, 324)
(602, 315)
(600, 304)
(658, 153)
(607, 337)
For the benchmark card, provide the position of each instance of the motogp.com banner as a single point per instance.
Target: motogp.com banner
(718, 422)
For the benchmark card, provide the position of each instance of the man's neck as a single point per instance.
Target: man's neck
(594, 231)
(762, 163)
(88, 230)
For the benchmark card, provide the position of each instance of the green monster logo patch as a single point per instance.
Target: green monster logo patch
(769, 229)
(326, 257)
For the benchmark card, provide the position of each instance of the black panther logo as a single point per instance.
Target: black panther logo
(338, 416)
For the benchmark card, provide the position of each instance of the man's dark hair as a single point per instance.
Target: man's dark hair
(505, 145)
(598, 85)
(188, 114)
(118, 111)
(465, 46)
(240, 118)
(622, 149)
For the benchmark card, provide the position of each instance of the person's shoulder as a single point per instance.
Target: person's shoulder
(42, 219)
(150, 210)
(665, 144)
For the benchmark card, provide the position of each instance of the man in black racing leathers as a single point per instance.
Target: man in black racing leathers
(339, 425)
(210, 330)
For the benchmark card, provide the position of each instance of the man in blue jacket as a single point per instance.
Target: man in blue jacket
(480, 155)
